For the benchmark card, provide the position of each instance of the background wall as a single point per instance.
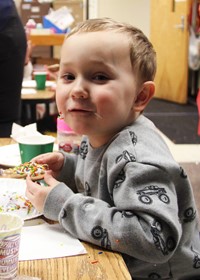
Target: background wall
(17, 2)
(135, 12)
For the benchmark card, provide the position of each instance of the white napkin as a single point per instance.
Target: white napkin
(28, 91)
(29, 84)
(28, 130)
(45, 241)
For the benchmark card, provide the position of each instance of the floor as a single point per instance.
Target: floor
(179, 122)
(183, 152)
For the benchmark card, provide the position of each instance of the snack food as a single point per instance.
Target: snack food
(13, 202)
(35, 170)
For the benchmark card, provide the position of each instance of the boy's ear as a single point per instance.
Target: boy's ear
(144, 96)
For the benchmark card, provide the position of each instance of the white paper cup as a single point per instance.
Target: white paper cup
(32, 146)
(10, 231)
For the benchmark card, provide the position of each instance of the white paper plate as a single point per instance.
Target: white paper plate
(12, 198)
(28, 91)
(10, 155)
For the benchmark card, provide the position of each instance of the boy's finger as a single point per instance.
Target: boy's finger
(30, 185)
(49, 179)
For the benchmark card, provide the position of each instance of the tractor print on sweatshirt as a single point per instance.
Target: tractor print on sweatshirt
(196, 260)
(189, 215)
(120, 179)
(133, 137)
(83, 150)
(145, 194)
(183, 173)
(99, 233)
(128, 157)
(165, 246)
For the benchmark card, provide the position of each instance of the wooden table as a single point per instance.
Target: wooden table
(93, 265)
(47, 40)
(97, 264)
(42, 96)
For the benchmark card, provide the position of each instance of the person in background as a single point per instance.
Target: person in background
(122, 190)
(28, 67)
(13, 44)
(53, 71)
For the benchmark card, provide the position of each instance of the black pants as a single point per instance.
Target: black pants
(12, 56)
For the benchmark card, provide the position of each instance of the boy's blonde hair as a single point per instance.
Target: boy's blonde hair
(142, 54)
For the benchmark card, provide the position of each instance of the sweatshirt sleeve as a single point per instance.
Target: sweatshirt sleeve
(142, 221)
(67, 174)
(138, 207)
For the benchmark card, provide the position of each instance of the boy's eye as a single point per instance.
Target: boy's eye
(68, 77)
(100, 77)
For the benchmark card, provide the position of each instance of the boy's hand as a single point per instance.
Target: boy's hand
(54, 160)
(37, 194)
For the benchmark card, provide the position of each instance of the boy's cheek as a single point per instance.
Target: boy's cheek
(61, 91)
(59, 101)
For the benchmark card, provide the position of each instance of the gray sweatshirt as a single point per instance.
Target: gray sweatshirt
(131, 196)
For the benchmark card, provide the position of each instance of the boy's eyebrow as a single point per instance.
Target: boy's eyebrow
(96, 62)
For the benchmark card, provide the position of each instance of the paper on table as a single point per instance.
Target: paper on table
(48, 241)
(29, 84)
(28, 91)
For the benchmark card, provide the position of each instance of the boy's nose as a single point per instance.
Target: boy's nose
(79, 90)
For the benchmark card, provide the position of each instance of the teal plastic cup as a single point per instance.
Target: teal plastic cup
(32, 146)
(40, 78)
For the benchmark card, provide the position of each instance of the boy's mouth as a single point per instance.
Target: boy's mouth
(85, 111)
(80, 110)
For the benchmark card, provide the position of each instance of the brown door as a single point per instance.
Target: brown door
(169, 34)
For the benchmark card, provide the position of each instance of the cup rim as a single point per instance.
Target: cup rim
(48, 139)
(39, 73)
(13, 215)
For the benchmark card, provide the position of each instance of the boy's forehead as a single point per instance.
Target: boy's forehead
(96, 37)
(101, 42)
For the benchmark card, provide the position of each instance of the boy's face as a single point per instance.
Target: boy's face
(96, 86)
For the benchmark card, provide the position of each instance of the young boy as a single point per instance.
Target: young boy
(123, 191)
